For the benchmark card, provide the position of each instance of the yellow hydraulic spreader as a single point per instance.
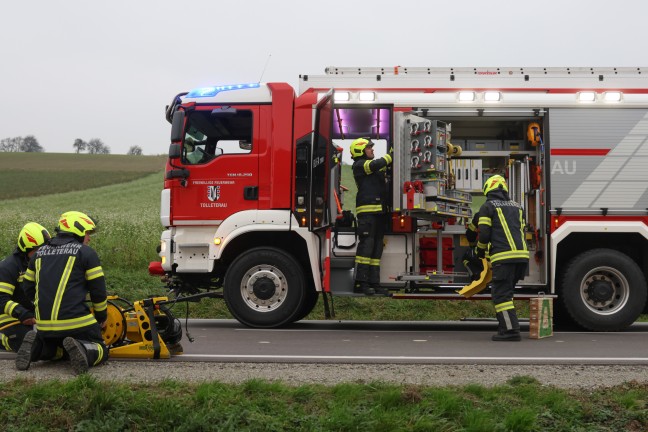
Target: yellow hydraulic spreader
(132, 330)
(482, 282)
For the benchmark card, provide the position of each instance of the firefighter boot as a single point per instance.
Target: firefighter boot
(508, 329)
(27, 351)
(78, 356)
(363, 288)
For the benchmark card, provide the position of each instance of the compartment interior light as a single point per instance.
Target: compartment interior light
(466, 96)
(367, 96)
(586, 96)
(341, 96)
(612, 96)
(492, 96)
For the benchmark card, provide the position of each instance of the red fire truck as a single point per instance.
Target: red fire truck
(252, 197)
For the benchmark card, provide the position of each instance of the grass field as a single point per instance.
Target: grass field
(38, 174)
(520, 405)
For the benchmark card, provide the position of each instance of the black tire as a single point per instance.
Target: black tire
(264, 288)
(310, 300)
(603, 290)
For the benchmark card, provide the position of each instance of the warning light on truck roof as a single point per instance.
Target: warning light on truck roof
(213, 91)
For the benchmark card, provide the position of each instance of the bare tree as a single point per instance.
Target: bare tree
(95, 146)
(79, 145)
(134, 151)
(30, 145)
(11, 144)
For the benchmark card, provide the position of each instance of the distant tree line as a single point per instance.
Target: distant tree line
(27, 144)
(93, 146)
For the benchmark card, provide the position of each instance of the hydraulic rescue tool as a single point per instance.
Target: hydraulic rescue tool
(143, 329)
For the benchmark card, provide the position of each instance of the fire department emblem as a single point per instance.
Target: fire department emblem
(213, 193)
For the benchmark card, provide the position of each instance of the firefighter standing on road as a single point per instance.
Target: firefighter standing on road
(59, 276)
(501, 224)
(369, 175)
(16, 312)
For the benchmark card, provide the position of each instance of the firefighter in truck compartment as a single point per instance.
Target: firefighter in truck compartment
(501, 225)
(369, 175)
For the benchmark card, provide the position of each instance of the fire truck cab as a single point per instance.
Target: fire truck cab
(253, 198)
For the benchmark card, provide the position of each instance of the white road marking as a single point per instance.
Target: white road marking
(324, 357)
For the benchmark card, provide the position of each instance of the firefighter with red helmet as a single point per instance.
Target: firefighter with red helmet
(16, 312)
(501, 231)
(369, 175)
(60, 275)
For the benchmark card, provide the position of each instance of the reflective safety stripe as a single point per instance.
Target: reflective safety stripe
(5, 342)
(481, 245)
(38, 267)
(98, 307)
(29, 275)
(507, 231)
(374, 208)
(94, 273)
(524, 245)
(485, 220)
(7, 288)
(56, 305)
(367, 167)
(100, 356)
(375, 262)
(472, 227)
(65, 324)
(9, 307)
(504, 306)
(20, 278)
(388, 158)
(362, 260)
(6, 319)
(509, 255)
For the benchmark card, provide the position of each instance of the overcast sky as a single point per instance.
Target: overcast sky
(89, 69)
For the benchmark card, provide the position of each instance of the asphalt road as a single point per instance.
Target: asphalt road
(466, 342)
(428, 342)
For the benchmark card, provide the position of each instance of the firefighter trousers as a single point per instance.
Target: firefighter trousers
(12, 336)
(505, 277)
(50, 347)
(371, 231)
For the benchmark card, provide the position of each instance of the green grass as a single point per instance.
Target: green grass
(38, 174)
(522, 404)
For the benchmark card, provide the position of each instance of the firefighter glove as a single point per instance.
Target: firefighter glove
(480, 253)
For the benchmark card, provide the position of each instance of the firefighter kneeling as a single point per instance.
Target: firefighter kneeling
(60, 275)
(501, 226)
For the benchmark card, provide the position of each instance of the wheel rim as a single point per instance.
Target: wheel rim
(264, 288)
(605, 290)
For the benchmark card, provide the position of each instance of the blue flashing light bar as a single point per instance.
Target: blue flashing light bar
(213, 91)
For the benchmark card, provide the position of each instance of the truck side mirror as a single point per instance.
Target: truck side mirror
(244, 145)
(174, 151)
(177, 126)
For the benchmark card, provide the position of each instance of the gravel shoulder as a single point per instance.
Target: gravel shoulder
(560, 376)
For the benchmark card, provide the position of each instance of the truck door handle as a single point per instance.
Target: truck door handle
(251, 193)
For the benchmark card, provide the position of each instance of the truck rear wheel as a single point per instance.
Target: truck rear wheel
(264, 288)
(603, 290)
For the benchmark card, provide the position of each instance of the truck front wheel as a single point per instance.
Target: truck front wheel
(603, 290)
(264, 288)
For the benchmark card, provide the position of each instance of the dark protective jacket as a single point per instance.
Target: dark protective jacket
(13, 302)
(59, 277)
(501, 223)
(369, 175)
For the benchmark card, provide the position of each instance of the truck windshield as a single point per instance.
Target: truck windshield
(208, 136)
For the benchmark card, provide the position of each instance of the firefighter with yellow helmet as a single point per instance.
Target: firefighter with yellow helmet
(369, 175)
(501, 231)
(16, 312)
(60, 275)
